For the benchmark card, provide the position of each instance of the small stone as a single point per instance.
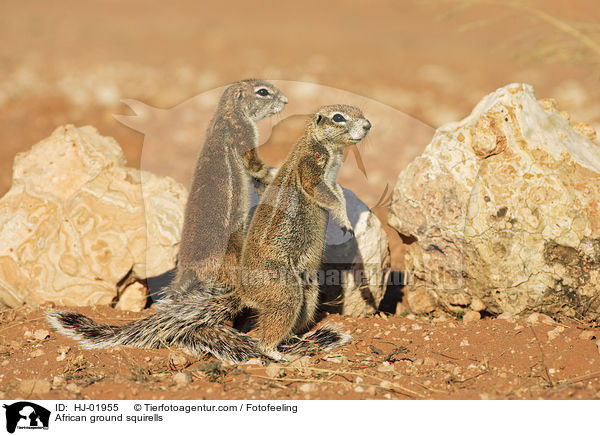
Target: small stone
(385, 367)
(464, 343)
(133, 298)
(58, 381)
(418, 361)
(554, 333)
(182, 378)
(359, 389)
(308, 387)
(5, 362)
(34, 386)
(420, 301)
(588, 334)
(301, 362)
(63, 349)
(274, 370)
(477, 305)
(430, 361)
(385, 384)
(537, 318)
(416, 327)
(73, 388)
(442, 317)
(41, 334)
(471, 316)
(37, 353)
(178, 359)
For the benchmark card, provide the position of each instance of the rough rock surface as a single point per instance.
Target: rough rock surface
(502, 212)
(76, 220)
(355, 269)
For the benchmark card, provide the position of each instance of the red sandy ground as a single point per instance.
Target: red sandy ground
(431, 60)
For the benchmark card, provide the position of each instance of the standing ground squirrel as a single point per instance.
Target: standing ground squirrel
(286, 239)
(219, 199)
(218, 204)
(284, 244)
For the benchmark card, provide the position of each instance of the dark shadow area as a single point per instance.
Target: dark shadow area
(393, 292)
(158, 284)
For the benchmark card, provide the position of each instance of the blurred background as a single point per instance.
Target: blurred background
(71, 61)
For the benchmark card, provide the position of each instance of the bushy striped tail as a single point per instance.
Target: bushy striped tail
(161, 330)
(193, 321)
(192, 318)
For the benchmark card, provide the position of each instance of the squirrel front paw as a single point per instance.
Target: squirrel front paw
(267, 179)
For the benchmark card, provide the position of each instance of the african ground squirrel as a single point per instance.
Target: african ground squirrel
(286, 239)
(284, 245)
(218, 204)
(219, 200)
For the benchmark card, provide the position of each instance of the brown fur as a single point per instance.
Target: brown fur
(286, 238)
(219, 199)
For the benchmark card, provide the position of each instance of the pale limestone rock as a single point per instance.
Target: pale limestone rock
(470, 316)
(503, 210)
(41, 334)
(363, 260)
(182, 378)
(133, 298)
(355, 269)
(178, 359)
(76, 220)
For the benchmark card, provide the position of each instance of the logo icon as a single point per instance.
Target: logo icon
(26, 415)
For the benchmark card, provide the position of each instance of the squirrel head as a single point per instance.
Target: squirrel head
(339, 124)
(256, 98)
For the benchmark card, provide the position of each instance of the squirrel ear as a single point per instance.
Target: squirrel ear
(240, 95)
(319, 119)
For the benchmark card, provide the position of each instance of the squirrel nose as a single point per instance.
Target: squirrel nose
(367, 125)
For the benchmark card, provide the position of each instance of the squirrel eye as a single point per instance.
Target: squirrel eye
(263, 92)
(338, 118)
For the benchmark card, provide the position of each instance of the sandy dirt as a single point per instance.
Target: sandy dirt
(72, 62)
